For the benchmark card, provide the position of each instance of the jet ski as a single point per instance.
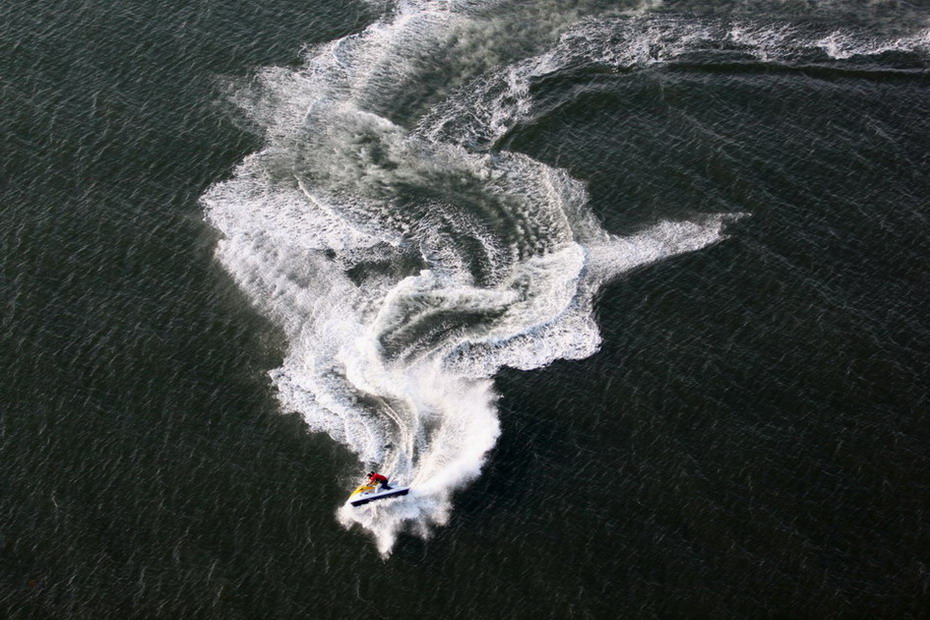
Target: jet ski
(368, 492)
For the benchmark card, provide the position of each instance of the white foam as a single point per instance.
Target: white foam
(404, 268)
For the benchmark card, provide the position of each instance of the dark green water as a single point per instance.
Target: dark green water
(750, 440)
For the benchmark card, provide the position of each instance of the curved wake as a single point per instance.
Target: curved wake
(406, 258)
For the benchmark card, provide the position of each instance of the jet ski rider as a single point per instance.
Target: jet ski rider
(376, 478)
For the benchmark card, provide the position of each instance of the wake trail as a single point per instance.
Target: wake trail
(406, 257)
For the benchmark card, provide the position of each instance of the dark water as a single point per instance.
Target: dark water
(749, 440)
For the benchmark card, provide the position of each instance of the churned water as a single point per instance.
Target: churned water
(631, 294)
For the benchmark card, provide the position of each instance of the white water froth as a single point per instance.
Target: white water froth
(404, 268)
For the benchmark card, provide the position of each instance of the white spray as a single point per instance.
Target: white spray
(405, 268)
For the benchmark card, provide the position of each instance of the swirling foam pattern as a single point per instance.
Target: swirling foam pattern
(406, 257)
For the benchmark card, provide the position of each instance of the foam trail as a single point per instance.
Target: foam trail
(406, 267)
